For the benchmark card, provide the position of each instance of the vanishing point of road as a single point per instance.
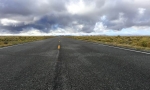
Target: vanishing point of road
(67, 64)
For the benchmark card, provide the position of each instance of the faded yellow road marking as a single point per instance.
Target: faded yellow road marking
(58, 47)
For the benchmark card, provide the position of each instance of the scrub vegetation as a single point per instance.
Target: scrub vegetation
(136, 42)
(12, 40)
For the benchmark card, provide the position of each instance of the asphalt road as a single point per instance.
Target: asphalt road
(77, 65)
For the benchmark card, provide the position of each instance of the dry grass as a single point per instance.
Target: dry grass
(136, 42)
(12, 40)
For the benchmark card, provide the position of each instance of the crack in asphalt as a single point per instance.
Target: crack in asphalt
(57, 75)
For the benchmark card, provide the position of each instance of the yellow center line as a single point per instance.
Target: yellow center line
(58, 47)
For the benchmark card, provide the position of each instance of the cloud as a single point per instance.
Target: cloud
(72, 16)
(80, 7)
(8, 22)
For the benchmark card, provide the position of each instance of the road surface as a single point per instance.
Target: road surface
(67, 64)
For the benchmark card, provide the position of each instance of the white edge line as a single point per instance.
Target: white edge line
(12, 46)
(118, 47)
(126, 49)
(16, 45)
(19, 44)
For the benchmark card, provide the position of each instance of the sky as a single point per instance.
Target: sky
(74, 17)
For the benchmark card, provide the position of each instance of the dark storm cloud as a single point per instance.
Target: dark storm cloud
(79, 15)
(29, 7)
(126, 13)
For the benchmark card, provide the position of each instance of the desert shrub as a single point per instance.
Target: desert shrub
(5, 42)
(148, 44)
(10, 40)
(143, 44)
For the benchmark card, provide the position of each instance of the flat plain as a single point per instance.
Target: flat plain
(75, 65)
(13, 40)
(134, 42)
